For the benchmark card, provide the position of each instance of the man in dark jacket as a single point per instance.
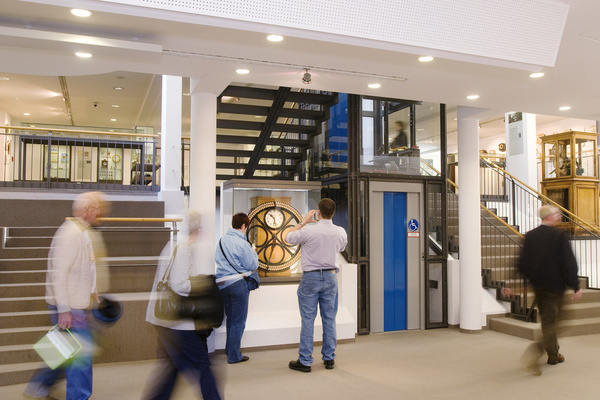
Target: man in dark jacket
(548, 262)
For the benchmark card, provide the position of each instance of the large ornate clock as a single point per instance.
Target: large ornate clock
(269, 224)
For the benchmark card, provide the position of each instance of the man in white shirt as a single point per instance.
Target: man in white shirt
(75, 275)
(321, 242)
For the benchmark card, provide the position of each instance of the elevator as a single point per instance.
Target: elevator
(397, 264)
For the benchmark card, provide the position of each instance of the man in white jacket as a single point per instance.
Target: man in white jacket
(74, 278)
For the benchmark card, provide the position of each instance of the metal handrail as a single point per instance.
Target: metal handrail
(545, 198)
(77, 131)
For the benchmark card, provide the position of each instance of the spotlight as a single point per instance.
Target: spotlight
(306, 78)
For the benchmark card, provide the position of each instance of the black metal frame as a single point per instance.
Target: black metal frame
(358, 197)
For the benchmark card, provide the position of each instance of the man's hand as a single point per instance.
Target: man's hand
(309, 218)
(577, 295)
(505, 291)
(65, 320)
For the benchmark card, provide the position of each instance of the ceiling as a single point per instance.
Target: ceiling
(37, 43)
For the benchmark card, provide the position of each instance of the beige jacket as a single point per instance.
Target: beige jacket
(69, 278)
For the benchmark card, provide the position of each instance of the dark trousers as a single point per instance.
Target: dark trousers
(550, 305)
(182, 352)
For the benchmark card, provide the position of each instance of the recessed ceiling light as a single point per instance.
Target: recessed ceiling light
(536, 74)
(4, 78)
(78, 12)
(113, 119)
(374, 85)
(115, 106)
(242, 71)
(118, 88)
(26, 113)
(274, 38)
(83, 54)
(564, 108)
(425, 58)
(473, 96)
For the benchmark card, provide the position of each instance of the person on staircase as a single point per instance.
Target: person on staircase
(549, 264)
(76, 274)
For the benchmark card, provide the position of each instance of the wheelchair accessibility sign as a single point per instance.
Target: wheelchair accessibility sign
(413, 228)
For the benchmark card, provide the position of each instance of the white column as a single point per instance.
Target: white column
(469, 225)
(170, 146)
(203, 169)
(521, 158)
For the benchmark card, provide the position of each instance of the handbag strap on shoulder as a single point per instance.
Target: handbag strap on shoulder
(167, 273)
(225, 255)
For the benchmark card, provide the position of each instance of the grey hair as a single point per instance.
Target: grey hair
(194, 220)
(87, 199)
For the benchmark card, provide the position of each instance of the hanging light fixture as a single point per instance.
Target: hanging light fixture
(306, 78)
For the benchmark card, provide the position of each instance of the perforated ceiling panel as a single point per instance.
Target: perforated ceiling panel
(527, 31)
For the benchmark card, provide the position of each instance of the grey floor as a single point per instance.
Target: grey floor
(435, 364)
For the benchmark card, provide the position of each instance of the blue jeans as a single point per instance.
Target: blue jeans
(78, 371)
(182, 352)
(235, 298)
(317, 288)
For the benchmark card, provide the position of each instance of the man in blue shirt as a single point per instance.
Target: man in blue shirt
(321, 242)
(235, 259)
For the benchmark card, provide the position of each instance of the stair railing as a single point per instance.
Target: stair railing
(521, 203)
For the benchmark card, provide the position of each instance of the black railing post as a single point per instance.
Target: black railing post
(49, 163)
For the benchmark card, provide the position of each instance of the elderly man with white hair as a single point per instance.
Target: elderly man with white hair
(549, 264)
(75, 276)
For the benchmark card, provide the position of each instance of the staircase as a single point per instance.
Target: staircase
(133, 252)
(579, 318)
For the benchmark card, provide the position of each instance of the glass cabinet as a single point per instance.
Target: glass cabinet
(570, 172)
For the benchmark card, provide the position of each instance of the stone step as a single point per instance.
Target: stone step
(11, 374)
(24, 319)
(23, 276)
(22, 289)
(27, 264)
(533, 331)
(47, 231)
(18, 304)
(22, 335)
(31, 241)
(18, 353)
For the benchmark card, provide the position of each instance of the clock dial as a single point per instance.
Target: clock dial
(269, 224)
(274, 218)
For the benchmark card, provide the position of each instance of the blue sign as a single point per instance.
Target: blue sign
(413, 225)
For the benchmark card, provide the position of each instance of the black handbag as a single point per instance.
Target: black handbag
(204, 303)
(253, 281)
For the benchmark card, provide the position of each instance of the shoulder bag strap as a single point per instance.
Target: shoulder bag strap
(225, 255)
(167, 273)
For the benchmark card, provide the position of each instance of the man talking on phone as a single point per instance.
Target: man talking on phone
(321, 242)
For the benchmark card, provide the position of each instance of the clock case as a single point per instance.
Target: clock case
(276, 258)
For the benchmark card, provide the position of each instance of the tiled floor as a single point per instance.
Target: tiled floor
(435, 364)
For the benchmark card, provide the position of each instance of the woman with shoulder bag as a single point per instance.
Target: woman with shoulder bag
(236, 261)
(181, 344)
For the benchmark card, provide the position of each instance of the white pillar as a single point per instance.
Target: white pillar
(521, 157)
(469, 224)
(203, 169)
(170, 146)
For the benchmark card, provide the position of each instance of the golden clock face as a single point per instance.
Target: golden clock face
(274, 218)
(269, 224)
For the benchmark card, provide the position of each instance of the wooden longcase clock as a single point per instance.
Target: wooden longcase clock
(269, 224)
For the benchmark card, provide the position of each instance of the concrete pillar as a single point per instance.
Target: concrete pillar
(203, 169)
(469, 225)
(170, 146)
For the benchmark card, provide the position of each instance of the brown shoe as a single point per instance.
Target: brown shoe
(555, 360)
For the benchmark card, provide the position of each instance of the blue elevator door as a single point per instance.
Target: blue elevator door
(394, 261)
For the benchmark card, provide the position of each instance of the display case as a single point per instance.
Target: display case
(274, 207)
(570, 173)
